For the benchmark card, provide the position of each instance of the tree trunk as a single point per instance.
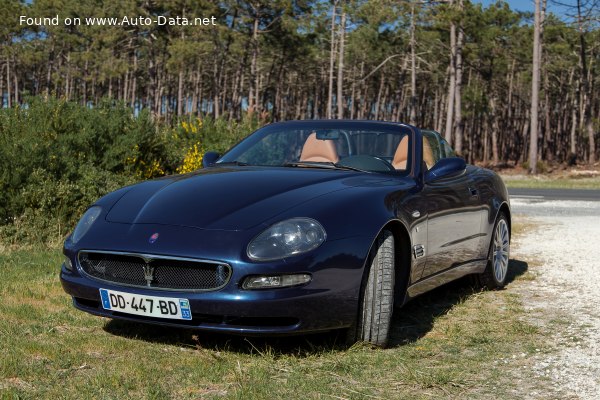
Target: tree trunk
(413, 68)
(535, 91)
(215, 91)
(93, 94)
(495, 129)
(443, 101)
(16, 77)
(452, 84)
(68, 77)
(85, 83)
(157, 96)
(134, 83)
(574, 131)
(196, 90)
(379, 91)
(361, 94)
(547, 122)
(486, 151)
(587, 106)
(2, 86)
(331, 63)
(180, 93)
(8, 94)
(458, 122)
(352, 93)
(340, 77)
(253, 82)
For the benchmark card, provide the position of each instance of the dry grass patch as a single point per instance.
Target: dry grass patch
(556, 181)
(450, 343)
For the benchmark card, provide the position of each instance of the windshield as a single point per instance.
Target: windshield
(351, 145)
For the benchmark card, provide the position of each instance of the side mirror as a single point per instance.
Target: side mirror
(445, 167)
(209, 159)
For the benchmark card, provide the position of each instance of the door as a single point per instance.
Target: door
(453, 211)
(454, 223)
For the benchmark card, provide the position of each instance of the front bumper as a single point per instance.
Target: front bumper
(329, 301)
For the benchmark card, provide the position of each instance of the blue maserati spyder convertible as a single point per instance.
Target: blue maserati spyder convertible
(303, 226)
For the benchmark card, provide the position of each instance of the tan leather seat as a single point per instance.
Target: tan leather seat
(401, 155)
(428, 154)
(319, 150)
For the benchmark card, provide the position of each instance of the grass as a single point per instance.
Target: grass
(551, 182)
(451, 343)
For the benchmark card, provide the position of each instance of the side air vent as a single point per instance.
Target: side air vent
(419, 250)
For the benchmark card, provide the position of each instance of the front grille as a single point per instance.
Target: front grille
(156, 272)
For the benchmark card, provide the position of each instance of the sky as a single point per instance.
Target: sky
(529, 5)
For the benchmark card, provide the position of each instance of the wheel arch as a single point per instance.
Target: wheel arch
(402, 258)
(504, 208)
(402, 267)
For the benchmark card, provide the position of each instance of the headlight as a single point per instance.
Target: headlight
(85, 223)
(287, 238)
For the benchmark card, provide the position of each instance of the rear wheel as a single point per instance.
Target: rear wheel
(377, 295)
(494, 276)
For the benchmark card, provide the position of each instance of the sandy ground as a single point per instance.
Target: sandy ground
(564, 298)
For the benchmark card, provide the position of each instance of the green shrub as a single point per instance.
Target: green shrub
(52, 207)
(58, 157)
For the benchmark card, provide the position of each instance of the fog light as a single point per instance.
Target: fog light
(275, 281)
(67, 263)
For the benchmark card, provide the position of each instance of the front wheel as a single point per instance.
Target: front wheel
(494, 276)
(377, 295)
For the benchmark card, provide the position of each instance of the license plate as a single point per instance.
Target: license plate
(149, 306)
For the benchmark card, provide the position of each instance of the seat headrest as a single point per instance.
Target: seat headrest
(428, 154)
(319, 150)
(401, 155)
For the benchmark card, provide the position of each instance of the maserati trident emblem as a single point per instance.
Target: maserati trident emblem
(153, 238)
(148, 274)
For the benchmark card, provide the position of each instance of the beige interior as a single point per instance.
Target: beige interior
(428, 154)
(401, 155)
(319, 150)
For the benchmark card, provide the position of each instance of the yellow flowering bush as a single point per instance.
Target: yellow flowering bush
(151, 169)
(192, 160)
(145, 165)
(189, 131)
(192, 127)
(144, 169)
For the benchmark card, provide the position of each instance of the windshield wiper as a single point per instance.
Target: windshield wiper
(316, 164)
(238, 163)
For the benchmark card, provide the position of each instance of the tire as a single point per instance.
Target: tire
(376, 303)
(494, 275)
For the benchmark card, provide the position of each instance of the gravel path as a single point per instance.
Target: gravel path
(564, 250)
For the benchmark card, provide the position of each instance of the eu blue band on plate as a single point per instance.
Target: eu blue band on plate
(105, 299)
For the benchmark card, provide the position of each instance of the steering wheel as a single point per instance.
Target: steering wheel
(367, 163)
(348, 142)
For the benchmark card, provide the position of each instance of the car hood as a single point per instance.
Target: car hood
(229, 198)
